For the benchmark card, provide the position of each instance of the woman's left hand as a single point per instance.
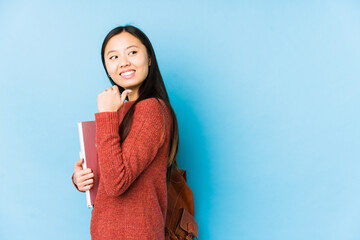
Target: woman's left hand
(110, 100)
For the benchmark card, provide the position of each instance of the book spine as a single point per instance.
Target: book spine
(84, 166)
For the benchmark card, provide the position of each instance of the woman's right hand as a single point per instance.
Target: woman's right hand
(83, 178)
(110, 99)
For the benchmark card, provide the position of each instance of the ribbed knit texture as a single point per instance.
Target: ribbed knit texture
(132, 195)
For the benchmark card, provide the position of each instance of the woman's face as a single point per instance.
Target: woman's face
(127, 61)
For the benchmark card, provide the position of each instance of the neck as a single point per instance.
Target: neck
(133, 95)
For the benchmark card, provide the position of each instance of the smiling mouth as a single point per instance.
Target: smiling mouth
(128, 74)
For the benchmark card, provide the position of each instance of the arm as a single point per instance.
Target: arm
(120, 165)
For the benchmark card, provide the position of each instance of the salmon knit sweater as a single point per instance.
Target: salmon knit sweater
(132, 196)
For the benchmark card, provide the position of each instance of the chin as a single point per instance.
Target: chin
(130, 87)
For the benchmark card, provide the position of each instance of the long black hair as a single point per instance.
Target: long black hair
(152, 86)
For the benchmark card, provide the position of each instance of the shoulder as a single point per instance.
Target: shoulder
(150, 106)
(149, 103)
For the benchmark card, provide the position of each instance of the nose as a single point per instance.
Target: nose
(124, 62)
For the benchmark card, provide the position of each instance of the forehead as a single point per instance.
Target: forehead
(122, 41)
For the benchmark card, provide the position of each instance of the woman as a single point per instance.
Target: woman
(137, 142)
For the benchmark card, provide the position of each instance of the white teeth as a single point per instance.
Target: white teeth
(127, 73)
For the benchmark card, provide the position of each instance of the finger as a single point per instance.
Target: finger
(83, 172)
(79, 162)
(88, 182)
(87, 176)
(85, 183)
(85, 188)
(115, 87)
(78, 166)
(124, 95)
(86, 171)
(83, 178)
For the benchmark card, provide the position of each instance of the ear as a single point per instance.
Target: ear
(149, 62)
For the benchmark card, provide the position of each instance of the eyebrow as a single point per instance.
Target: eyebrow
(125, 49)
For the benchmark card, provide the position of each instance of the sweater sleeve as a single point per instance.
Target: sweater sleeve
(120, 165)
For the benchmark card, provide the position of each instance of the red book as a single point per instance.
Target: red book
(87, 136)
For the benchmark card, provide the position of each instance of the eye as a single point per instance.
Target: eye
(132, 52)
(113, 57)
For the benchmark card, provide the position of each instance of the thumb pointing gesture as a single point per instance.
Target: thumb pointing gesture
(78, 165)
(123, 95)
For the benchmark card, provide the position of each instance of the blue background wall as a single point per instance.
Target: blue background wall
(266, 94)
